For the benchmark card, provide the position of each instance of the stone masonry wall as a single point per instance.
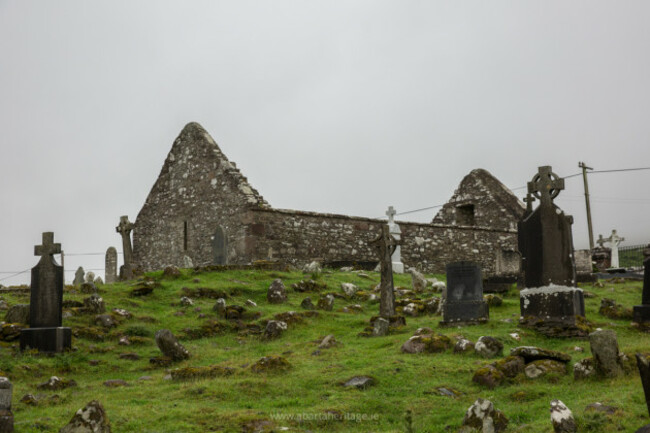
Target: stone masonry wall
(198, 190)
(301, 237)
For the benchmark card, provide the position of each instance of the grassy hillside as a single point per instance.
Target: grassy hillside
(308, 396)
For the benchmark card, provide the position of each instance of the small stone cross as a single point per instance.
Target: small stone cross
(391, 214)
(546, 185)
(125, 226)
(48, 248)
(601, 241)
(529, 199)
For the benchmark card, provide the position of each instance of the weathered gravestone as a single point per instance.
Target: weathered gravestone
(124, 229)
(641, 313)
(79, 276)
(385, 246)
(614, 240)
(643, 363)
(110, 271)
(6, 416)
(396, 232)
(46, 302)
(464, 303)
(551, 303)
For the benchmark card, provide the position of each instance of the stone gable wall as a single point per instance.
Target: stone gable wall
(300, 237)
(197, 187)
(494, 204)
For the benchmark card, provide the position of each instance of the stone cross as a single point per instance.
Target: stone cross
(601, 241)
(45, 307)
(110, 265)
(529, 199)
(546, 185)
(124, 229)
(391, 215)
(614, 240)
(385, 246)
(396, 232)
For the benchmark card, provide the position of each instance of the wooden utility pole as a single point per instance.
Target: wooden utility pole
(584, 168)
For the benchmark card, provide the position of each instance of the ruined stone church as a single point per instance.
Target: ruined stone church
(202, 210)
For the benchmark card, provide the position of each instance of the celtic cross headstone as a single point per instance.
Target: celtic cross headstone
(46, 302)
(124, 229)
(385, 246)
(396, 232)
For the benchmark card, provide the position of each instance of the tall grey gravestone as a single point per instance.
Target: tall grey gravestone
(464, 303)
(396, 232)
(551, 302)
(641, 313)
(385, 246)
(110, 266)
(124, 229)
(6, 416)
(79, 276)
(45, 332)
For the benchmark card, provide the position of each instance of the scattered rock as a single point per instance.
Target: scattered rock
(169, 345)
(510, 366)
(274, 329)
(426, 343)
(131, 356)
(562, 418)
(604, 348)
(532, 353)
(484, 418)
(463, 345)
(10, 332)
(171, 272)
(644, 429)
(410, 309)
(250, 303)
(307, 304)
(609, 308)
(584, 369)
(105, 321)
(91, 419)
(220, 307)
(95, 304)
(29, 399)
(277, 293)
(56, 383)
(186, 302)
(349, 289)
(418, 281)
(3, 305)
(191, 373)
(493, 300)
(327, 342)
(326, 303)
(599, 407)
(542, 367)
(488, 376)
(88, 288)
(122, 313)
(18, 313)
(360, 382)
(380, 327)
(439, 286)
(309, 286)
(488, 347)
(515, 336)
(270, 364)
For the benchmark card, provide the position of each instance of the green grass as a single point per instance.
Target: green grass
(311, 389)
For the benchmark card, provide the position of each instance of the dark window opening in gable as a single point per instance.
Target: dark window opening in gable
(184, 235)
(465, 215)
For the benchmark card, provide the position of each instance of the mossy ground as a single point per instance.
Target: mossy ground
(308, 396)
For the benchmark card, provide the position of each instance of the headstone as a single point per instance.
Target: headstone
(604, 348)
(385, 246)
(6, 416)
(551, 302)
(544, 236)
(643, 363)
(90, 419)
(614, 240)
(124, 229)
(79, 276)
(464, 303)
(90, 277)
(584, 266)
(641, 313)
(46, 303)
(277, 293)
(396, 232)
(169, 345)
(110, 271)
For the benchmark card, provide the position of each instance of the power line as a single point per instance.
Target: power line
(15, 275)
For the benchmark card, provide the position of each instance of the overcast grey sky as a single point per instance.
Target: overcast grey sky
(335, 106)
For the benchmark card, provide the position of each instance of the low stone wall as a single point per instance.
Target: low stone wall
(300, 237)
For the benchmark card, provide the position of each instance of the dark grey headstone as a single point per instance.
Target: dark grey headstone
(46, 302)
(79, 276)
(544, 236)
(385, 246)
(124, 229)
(642, 312)
(643, 363)
(464, 302)
(552, 303)
(219, 247)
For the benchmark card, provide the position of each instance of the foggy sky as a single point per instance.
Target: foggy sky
(334, 106)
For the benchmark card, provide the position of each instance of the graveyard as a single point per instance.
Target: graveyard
(223, 386)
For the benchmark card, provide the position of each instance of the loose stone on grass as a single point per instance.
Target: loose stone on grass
(360, 382)
(90, 419)
(55, 383)
(326, 303)
(274, 329)
(483, 417)
(18, 313)
(488, 347)
(169, 345)
(271, 364)
(277, 293)
(463, 345)
(192, 373)
(562, 418)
